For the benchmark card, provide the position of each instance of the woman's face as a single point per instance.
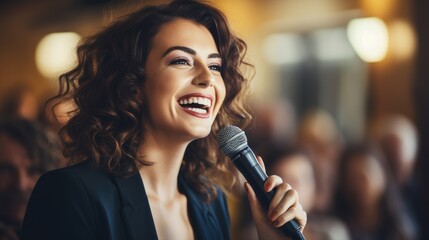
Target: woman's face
(183, 89)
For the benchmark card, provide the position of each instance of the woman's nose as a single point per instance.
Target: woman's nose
(204, 78)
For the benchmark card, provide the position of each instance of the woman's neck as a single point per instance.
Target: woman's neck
(166, 156)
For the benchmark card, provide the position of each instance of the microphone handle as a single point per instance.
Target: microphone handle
(247, 164)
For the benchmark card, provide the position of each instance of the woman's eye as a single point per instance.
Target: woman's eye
(180, 61)
(217, 68)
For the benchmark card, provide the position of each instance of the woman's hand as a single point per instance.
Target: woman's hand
(284, 207)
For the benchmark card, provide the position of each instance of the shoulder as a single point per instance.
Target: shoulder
(68, 201)
(81, 169)
(80, 176)
(59, 202)
(74, 186)
(77, 183)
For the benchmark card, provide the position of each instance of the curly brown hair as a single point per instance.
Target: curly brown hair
(106, 126)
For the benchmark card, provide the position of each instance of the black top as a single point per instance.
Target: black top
(81, 202)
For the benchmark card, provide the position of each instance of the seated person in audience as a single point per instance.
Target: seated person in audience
(367, 198)
(294, 166)
(26, 151)
(319, 136)
(397, 137)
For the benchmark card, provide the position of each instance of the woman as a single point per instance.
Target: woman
(152, 90)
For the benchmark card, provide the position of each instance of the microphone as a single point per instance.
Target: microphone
(233, 142)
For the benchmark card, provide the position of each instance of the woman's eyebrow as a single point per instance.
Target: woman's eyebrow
(214, 55)
(188, 50)
(181, 48)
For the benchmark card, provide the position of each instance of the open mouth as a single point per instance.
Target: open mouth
(200, 105)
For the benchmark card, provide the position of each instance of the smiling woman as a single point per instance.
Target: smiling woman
(151, 92)
(183, 65)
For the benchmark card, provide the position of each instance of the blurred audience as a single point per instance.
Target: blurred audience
(363, 192)
(367, 198)
(20, 101)
(27, 149)
(318, 135)
(294, 166)
(397, 137)
(273, 125)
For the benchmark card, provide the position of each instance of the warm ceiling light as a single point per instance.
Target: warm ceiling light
(56, 53)
(369, 38)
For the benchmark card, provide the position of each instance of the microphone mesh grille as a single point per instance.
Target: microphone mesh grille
(231, 139)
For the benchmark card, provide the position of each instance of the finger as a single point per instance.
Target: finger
(300, 216)
(298, 205)
(281, 190)
(261, 162)
(290, 199)
(271, 182)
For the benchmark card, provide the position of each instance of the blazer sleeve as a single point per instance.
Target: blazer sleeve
(59, 208)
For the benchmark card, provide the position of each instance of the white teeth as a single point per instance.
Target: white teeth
(198, 100)
(198, 110)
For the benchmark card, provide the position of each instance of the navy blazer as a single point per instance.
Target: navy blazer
(81, 202)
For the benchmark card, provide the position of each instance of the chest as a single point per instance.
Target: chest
(171, 219)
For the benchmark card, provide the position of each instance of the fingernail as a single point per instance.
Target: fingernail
(275, 223)
(267, 187)
(246, 188)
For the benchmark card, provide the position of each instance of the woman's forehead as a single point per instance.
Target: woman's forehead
(183, 32)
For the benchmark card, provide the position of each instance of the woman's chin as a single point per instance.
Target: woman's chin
(200, 133)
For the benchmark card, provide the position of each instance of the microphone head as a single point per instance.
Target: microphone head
(231, 139)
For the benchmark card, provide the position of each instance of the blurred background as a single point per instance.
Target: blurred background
(329, 73)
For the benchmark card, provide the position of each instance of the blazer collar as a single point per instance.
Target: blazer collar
(138, 218)
(202, 216)
(135, 210)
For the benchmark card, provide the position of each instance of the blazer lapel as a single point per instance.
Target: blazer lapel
(136, 212)
(201, 215)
